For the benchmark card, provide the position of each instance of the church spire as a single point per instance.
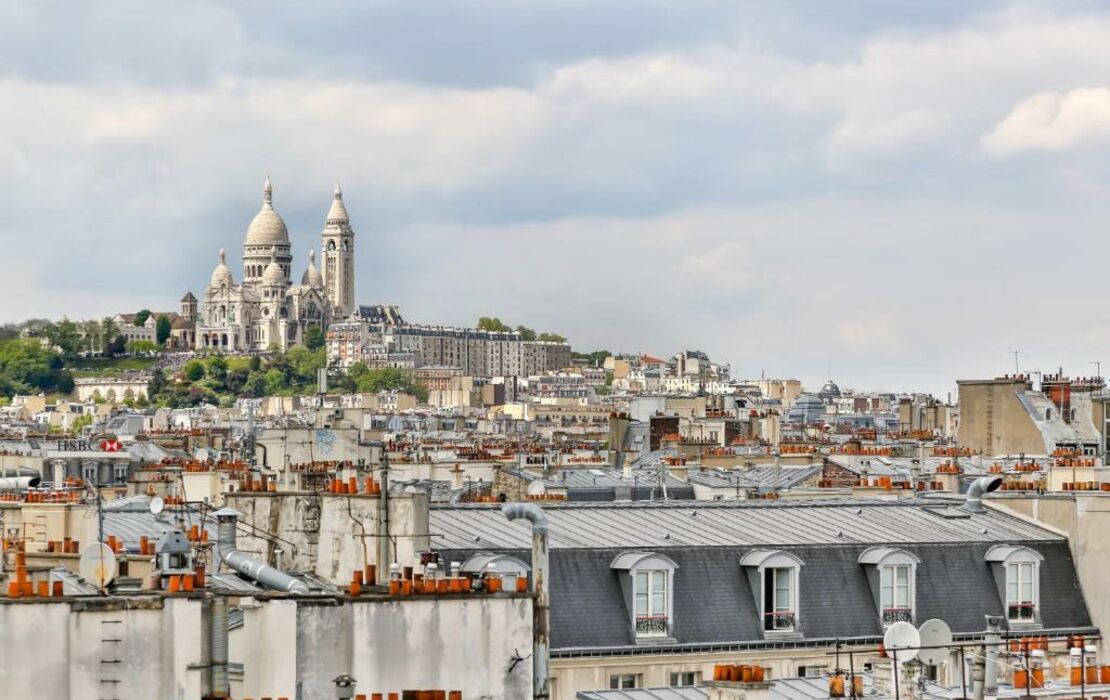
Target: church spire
(267, 193)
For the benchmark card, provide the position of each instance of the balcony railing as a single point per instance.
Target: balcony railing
(781, 620)
(1022, 611)
(647, 625)
(892, 615)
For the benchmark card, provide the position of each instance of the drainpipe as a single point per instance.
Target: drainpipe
(533, 513)
(980, 487)
(384, 558)
(776, 473)
(221, 686)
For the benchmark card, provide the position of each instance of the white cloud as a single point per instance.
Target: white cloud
(1053, 121)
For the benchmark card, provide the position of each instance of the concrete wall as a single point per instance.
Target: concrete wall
(295, 648)
(55, 650)
(1004, 429)
(327, 530)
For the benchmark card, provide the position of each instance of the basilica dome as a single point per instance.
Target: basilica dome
(221, 275)
(312, 276)
(267, 227)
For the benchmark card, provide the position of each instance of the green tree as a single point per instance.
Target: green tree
(118, 346)
(158, 383)
(487, 323)
(108, 333)
(81, 422)
(139, 347)
(64, 335)
(526, 333)
(215, 368)
(275, 381)
(314, 338)
(255, 363)
(162, 329)
(141, 317)
(90, 336)
(552, 338)
(302, 365)
(193, 370)
(27, 367)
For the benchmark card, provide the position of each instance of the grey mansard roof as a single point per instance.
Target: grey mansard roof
(714, 601)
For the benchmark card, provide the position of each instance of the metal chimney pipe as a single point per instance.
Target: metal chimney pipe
(533, 513)
(221, 686)
(981, 486)
(992, 640)
(245, 565)
(19, 483)
(776, 473)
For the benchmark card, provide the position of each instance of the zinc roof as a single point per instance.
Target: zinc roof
(729, 523)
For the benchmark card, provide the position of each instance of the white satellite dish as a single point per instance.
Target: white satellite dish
(157, 505)
(934, 633)
(98, 564)
(903, 638)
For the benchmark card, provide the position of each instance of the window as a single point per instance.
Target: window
(778, 600)
(773, 576)
(1017, 569)
(685, 678)
(651, 602)
(624, 681)
(1020, 601)
(646, 581)
(895, 593)
(893, 572)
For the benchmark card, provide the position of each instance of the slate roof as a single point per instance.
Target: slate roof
(781, 689)
(714, 602)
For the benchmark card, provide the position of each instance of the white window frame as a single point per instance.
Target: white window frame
(761, 561)
(655, 621)
(655, 596)
(888, 562)
(1016, 560)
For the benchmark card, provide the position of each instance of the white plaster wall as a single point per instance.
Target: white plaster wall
(49, 653)
(266, 645)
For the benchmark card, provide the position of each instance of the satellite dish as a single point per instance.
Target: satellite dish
(902, 637)
(98, 564)
(934, 633)
(157, 505)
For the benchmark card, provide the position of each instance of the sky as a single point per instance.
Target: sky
(896, 194)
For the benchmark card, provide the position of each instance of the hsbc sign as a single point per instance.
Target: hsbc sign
(110, 445)
(105, 445)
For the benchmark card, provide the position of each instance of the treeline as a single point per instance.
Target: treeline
(488, 323)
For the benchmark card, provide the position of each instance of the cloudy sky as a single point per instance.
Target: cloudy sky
(901, 192)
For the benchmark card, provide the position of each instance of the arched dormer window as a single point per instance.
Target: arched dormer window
(647, 582)
(1018, 572)
(893, 574)
(774, 575)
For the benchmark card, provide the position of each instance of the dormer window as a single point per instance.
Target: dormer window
(774, 576)
(894, 572)
(1018, 572)
(646, 581)
(652, 613)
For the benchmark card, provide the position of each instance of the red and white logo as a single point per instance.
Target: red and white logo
(110, 445)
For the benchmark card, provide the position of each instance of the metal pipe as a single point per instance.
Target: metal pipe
(540, 649)
(992, 640)
(19, 483)
(245, 565)
(979, 488)
(221, 686)
(384, 557)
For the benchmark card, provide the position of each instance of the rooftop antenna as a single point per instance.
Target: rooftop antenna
(1017, 367)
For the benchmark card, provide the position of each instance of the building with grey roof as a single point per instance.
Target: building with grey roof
(661, 588)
